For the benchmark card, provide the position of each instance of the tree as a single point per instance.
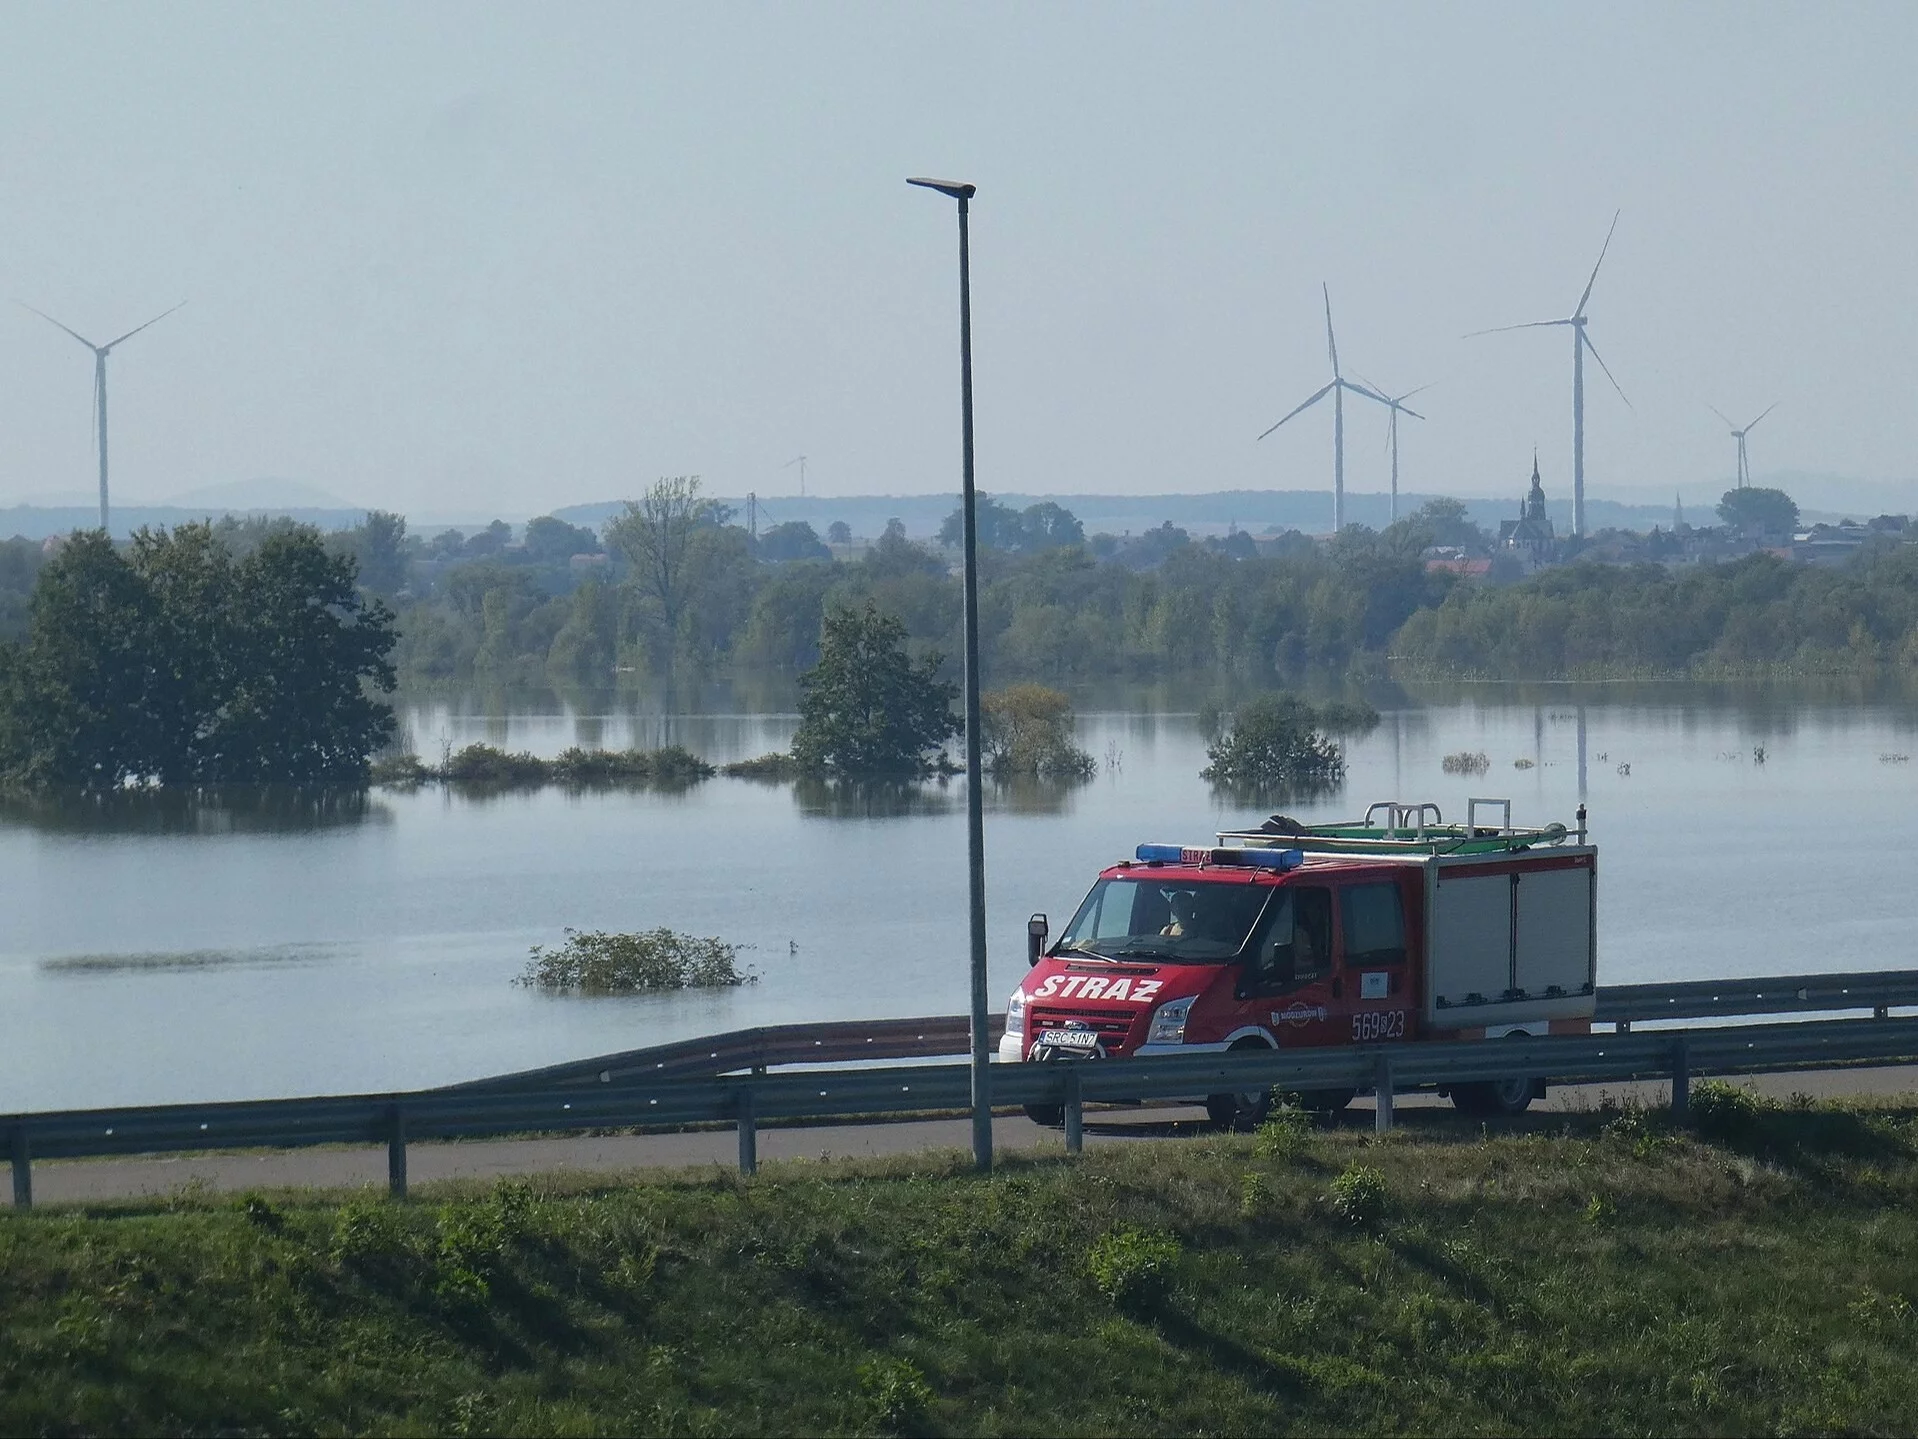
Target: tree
(175, 663)
(1046, 526)
(653, 535)
(550, 540)
(1028, 731)
(867, 709)
(838, 533)
(1274, 747)
(1449, 524)
(794, 540)
(489, 541)
(1757, 511)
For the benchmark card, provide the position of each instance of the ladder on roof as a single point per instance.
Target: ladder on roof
(1397, 827)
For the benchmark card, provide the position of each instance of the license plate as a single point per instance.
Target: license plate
(1083, 1041)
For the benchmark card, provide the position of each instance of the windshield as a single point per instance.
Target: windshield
(1178, 920)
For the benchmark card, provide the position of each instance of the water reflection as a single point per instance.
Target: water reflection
(873, 799)
(238, 809)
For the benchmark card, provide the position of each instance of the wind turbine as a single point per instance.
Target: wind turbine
(100, 353)
(1581, 342)
(1336, 389)
(1744, 466)
(799, 460)
(1392, 435)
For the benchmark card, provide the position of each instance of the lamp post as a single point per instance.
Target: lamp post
(975, 814)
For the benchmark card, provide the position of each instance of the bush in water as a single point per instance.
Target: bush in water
(594, 962)
(1028, 731)
(1275, 744)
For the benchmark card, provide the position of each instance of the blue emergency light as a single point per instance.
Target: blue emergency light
(1279, 859)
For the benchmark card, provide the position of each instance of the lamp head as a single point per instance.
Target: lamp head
(957, 189)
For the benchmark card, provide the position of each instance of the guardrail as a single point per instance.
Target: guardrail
(935, 1036)
(744, 1100)
(1876, 990)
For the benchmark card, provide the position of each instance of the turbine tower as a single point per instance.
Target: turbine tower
(100, 353)
(1744, 465)
(1336, 389)
(799, 460)
(1392, 434)
(1581, 342)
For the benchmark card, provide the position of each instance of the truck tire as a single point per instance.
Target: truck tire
(1243, 1112)
(1494, 1099)
(1051, 1116)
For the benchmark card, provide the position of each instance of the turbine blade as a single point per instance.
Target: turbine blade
(1721, 415)
(1601, 260)
(1403, 410)
(1369, 394)
(137, 328)
(1331, 345)
(1306, 406)
(1528, 325)
(56, 324)
(1768, 409)
(1419, 391)
(1603, 366)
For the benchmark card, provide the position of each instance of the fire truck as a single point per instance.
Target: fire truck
(1391, 928)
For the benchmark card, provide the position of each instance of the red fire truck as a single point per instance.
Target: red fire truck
(1394, 927)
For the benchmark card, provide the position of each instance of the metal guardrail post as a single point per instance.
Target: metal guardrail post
(748, 1135)
(22, 1169)
(1075, 1113)
(1624, 1026)
(396, 1153)
(1681, 1080)
(1382, 1086)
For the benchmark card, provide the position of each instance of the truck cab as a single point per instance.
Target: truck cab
(1391, 928)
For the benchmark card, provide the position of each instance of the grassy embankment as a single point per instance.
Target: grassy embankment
(1592, 1275)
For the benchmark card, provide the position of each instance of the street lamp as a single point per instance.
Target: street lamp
(975, 814)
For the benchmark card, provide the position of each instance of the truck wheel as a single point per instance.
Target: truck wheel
(1496, 1098)
(1243, 1112)
(1052, 1116)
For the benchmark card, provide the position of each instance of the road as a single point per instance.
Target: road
(91, 1180)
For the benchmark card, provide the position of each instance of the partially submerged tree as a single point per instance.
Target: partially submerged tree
(1274, 745)
(174, 663)
(1029, 731)
(867, 708)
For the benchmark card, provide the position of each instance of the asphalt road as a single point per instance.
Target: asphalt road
(83, 1181)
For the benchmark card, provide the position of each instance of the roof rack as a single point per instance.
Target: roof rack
(1395, 827)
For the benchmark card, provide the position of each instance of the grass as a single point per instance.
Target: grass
(1589, 1274)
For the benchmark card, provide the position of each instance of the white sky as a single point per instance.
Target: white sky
(478, 258)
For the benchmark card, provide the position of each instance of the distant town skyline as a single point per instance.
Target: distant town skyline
(478, 259)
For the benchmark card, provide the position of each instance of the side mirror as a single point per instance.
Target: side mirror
(1036, 930)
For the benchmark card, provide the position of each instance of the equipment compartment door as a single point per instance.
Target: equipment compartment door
(1554, 931)
(1471, 940)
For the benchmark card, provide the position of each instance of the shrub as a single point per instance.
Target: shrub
(1274, 745)
(777, 766)
(1727, 1111)
(894, 1395)
(1283, 1134)
(1028, 731)
(1466, 762)
(595, 962)
(486, 764)
(1348, 717)
(398, 769)
(1133, 1269)
(1359, 1196)
(1255, 1195)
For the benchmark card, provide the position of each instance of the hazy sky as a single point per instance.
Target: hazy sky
(476, 258)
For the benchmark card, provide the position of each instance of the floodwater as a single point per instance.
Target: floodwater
(265, 948)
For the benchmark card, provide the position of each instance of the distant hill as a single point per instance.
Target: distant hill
(264, 493)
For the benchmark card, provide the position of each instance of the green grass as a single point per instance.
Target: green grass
(1592, 1274)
